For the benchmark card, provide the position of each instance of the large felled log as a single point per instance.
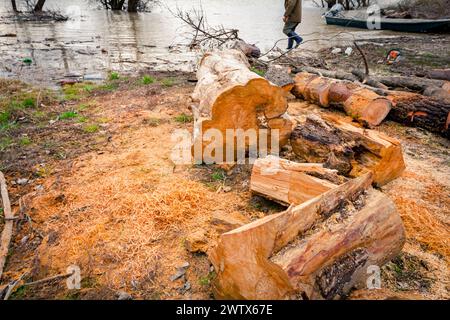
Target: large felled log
(362, 104)
(283, 256)
(289, 182)
(350, 150)
(231, 97)
(413, 109)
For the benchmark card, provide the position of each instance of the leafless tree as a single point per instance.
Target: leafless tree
(14, 5)
(202, 35)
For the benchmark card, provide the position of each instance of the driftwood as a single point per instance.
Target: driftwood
(351, 150)
(9, 221)
(289, 182)
(363, 104)
(231, 97)
(317, 250)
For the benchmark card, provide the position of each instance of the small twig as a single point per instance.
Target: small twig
(49, 279)
(13, 285)
(364, 58)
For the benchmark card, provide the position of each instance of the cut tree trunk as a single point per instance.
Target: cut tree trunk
(413, 109)
(230, 97)
(289, 182)
(430, 111)
(351, 150)
(362, 104)
(317, 250)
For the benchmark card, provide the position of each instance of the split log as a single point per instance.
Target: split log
(362, 104)
(277, 257)
(351, 150)
(289, 182)
(231, 97)
(8, 226)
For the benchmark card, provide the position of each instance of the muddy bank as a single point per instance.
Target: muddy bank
(113, 143)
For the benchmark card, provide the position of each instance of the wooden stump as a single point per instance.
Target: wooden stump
(231, 97)
(317, 250)
(289, 182)
(351, 150)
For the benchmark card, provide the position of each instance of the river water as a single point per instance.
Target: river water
(95, 41)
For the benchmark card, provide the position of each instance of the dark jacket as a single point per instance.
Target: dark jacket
(293, 10)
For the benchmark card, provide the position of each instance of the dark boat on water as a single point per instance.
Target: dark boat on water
(403, 25)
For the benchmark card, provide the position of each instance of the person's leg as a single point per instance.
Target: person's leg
(295, 36)
(287, 30)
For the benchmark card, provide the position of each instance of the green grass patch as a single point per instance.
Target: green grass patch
(68, 115)
(4, 117)
(258, 71)
(147, 80)
(91, 128)
(167, 82)
(184, 118)
(82, 119)
(29, 103)
(206, 280)
(114, 76)
(218, 176)
(25, 141)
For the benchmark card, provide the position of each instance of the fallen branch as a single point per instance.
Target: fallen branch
(9, 221)
(49, 279)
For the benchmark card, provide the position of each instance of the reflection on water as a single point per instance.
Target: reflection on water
(95, 41)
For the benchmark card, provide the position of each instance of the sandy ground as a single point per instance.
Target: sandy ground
(122, 211)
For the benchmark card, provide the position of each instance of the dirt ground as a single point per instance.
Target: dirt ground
(101, 192)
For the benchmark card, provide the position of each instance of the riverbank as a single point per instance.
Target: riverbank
(67, 149)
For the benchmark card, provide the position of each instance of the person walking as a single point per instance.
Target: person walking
(292, 18)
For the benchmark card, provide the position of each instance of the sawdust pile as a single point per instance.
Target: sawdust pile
(426, 215)
(112, 217)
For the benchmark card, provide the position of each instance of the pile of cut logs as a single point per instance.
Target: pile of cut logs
(337, 225)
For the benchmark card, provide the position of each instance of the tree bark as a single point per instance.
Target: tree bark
(289, 182)
(230, 97)
(362, 104)
(420, 111)
(351, 150)
(317, 250)
(39, 6)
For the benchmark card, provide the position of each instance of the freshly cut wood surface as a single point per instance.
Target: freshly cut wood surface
(288, 182)
(229, 96)
(360, 103)
(276, 257)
